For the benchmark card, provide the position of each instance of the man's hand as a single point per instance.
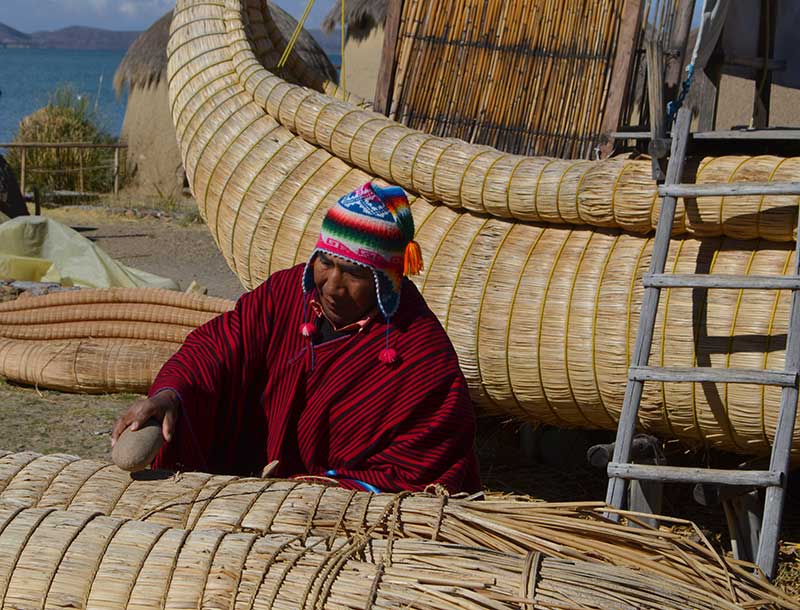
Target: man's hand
(163, 407)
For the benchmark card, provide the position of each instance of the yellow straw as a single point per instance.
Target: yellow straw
(341, 69)
(295, 34)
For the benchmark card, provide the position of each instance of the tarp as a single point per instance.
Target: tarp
(39, 249)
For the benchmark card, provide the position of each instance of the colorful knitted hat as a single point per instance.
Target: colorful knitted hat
(372, 227)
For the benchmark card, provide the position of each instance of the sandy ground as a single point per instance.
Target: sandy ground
(176, 248)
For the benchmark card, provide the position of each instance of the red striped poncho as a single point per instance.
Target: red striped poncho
(250, 395)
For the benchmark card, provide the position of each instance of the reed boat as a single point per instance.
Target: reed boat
(533, 264)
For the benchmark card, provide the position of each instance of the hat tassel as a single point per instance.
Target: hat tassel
(412, 259)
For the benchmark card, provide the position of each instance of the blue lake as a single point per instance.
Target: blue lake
(29, 76)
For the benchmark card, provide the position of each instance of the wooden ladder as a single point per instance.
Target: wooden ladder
(620, 469)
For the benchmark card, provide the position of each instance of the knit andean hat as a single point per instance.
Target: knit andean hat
(372, 227)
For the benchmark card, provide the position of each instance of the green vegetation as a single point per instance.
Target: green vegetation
(68, 117)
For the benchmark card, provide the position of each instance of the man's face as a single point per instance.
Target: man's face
(346, 290)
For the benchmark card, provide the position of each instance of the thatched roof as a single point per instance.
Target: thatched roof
(306, 46)
(145, 63)
(361, 17)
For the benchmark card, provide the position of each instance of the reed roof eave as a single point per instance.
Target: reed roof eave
(145, 63)
(361, 17)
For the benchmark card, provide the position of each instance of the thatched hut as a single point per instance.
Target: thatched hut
(154, 163)
(154, 160)
(364, 21)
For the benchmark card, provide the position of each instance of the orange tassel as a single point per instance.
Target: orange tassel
(412, 259)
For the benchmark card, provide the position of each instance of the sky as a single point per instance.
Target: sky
(34, 15)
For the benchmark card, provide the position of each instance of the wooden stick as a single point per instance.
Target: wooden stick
(620, 72)
(386, 72)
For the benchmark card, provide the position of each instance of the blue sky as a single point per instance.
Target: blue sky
(33, 15)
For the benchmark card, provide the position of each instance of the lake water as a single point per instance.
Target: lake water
(29, 76)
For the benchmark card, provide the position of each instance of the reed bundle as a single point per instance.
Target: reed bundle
(106, 340)
(543, 318)
(522, 77)
(75, 559)
(237, 124)
(515, 527)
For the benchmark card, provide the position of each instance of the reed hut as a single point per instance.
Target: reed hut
(364, 21)
(154, 161)
(154, 164)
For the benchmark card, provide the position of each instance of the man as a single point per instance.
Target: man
(335, 368)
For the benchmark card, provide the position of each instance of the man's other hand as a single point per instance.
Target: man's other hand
(162, 407)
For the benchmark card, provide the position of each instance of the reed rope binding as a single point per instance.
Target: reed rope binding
(324, 519)
(65, 558)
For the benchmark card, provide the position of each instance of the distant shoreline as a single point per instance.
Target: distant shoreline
(82, 38)
(73, 37)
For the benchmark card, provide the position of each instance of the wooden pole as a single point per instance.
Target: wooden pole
(80, 172)
(620, 73)
(766, 46)
(385, 83)
(116, 172)
(676, 49)
(22, 171)
(707, 81)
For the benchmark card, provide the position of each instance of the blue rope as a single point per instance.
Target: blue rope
(674, 106)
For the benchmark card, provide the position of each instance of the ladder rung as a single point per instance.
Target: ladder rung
(698, 280)
(729, 189)
(719, 375)
(675, 474)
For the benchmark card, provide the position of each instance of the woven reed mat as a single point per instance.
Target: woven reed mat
(543, 318)
(54, 558)
(516, 75)
(517, 526)
(105, 340)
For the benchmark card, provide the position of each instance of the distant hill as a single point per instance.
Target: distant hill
(74, 37)
(9, 37)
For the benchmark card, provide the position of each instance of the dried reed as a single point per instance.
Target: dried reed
(107, 340)
(515, 527)
(543, 318)
(75, 559)
(613, 193)
(518, 76)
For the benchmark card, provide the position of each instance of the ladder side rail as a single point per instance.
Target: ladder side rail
(626, 426)
(782, 445)
(728, 189)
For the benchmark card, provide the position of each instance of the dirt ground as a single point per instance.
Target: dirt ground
(178, 246)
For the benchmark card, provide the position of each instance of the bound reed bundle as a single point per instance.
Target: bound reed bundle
(515, 527)
(259, 107)
(542, 318)
(519, 76)
(76, 559)
(107, 340)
